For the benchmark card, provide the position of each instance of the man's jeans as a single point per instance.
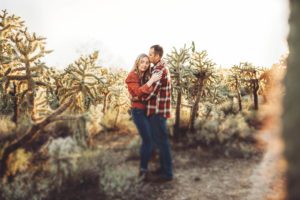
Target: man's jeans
(160, 137)
(142, 123)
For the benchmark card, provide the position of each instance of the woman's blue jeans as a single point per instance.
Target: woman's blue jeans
(142, 123)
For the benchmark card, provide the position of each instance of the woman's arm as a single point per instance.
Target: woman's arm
(136, 89)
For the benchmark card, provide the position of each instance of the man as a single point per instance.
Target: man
(158, 110)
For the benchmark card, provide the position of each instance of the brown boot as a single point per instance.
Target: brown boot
(157, 171)
(162, 180)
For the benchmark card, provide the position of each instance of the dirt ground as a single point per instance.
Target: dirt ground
(201, 175)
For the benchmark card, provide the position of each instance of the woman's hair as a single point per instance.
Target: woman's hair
(144, 78)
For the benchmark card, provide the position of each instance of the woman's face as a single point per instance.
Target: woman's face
(144, 64)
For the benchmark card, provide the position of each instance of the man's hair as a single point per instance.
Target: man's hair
(158, 50)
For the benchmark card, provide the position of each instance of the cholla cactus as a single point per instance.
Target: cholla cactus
(203, 73)
(250, 79)
(119, 97)
(46, 98)
(30, 48)
(80, 81)
(111, 79)
(217, 91)
(20, 70)
(9, 25)
(234, 83)
(177, 62)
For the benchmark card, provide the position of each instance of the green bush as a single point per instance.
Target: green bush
(74, 173)
(226, 130)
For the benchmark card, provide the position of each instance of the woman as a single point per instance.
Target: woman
(139, 82)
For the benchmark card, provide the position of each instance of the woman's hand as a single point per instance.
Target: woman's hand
(154, 78)
(157, 76)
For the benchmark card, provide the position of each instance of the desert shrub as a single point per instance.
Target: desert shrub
(37, 183)
(61, 152)
(228, 107)
(134, 148)
(72, 172)
(100, 175)
(226, 130)
(25, 186)
(120, 183)
(253, 118)
(75, 174)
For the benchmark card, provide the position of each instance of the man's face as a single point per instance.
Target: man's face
(154, 58)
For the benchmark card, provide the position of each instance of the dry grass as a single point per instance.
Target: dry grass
(7, 127)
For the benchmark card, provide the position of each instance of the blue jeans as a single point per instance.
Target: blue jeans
(142, 123)
(160, 137)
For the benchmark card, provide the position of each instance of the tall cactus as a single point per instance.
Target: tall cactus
(118, 97)
(203, 72)
(234, 82)
(9, 25)
(111, 78)
(80, 80)
(20, 60)
(291, 117)
(177, 61)
(250, 79)
(30, 48)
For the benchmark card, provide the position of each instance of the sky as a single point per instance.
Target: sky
(232, 31)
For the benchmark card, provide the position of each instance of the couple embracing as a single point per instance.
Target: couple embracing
(150, 88)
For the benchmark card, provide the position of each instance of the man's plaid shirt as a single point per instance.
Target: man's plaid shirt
(159, 100)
